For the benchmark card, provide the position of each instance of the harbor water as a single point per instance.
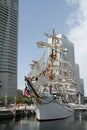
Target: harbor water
(76, 122)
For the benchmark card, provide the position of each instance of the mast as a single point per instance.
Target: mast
(53, 40)
(51, 75)
(57, 75)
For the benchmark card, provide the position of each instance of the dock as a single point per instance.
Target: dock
(80, 107)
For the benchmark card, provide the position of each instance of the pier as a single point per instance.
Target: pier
(16, 112)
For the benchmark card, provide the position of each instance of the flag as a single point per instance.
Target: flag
(27, 93)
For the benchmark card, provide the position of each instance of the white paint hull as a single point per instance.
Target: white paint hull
(53, 111)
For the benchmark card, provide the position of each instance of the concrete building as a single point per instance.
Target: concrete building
(77, 77)
(80, 82)
(71, 58)
(8, 47)
(70, 46)
(82, 86)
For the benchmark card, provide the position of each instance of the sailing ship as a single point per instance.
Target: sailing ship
(51, 82)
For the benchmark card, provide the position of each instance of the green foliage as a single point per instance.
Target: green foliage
(20, 99)
(28, 100)
(2, 99)
(10, 99)
(24, 100)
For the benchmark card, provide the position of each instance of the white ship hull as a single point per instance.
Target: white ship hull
(52, 81)
(53, 111)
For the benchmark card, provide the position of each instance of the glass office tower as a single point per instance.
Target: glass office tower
(8, 47)
(71, 58)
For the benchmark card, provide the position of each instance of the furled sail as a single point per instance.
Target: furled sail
(55, 76)
(38, 68)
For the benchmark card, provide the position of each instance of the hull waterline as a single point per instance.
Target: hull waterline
(53, 111)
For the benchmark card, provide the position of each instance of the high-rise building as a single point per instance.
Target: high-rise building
(80, 83)
(71, 58)
(8, 47)
(70, 46)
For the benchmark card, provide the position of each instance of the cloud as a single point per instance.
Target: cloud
(70, 2)
(77, 22)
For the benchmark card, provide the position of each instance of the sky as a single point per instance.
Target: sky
(36, 17)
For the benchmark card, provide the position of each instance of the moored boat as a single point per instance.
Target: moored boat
(50, 83)
(5, 113)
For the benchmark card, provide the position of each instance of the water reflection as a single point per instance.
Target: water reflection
(27, 124)
(81, 115)
(57, 125)
(77, 122)
(7, 125)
